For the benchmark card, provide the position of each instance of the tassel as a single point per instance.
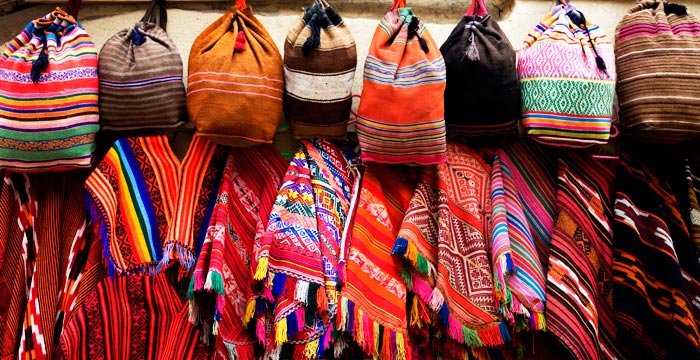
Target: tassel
(240, 42)
(278, 284)
(400, 346)
(472, 53)
(214, 282)
(249, 312)
(422, 264)
(311, 349)
(260, 331)
(301, 293)
(313, 41)
(261, 270)
(40, 64)
(413, 28)
(600, 62)
(281, 332)
(292, 325)
(322, 299)
(339, 347)
(415, 317)
(400, 247)
(471, 337)
(137, 38)
(436, 300)
(375, 339)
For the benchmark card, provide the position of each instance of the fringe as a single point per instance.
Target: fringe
(301, 293)
(281, 332)
(249, 312)
(240, 352)
(184, 255)
(261, 270)
(214, 283)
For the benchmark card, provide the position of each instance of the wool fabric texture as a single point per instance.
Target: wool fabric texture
(247, 192)
(152, 207)
(298, 260)
(373, 299)
(445, 236)
(517, 270)
(579, 281)
(132, 317)
(235, 80)
(48, 96)
(400, 119)
(653, 291)
(482, 96)
(319, 69)
(567, 96)
(43, 250)
(141, 86)
(656, 49)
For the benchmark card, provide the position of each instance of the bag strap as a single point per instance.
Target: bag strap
(73, 7)
(157, 13)
(398, 4)
(477, 8)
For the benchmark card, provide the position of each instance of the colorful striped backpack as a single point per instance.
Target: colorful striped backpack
(482, 95)
(48, 96)
(400, 119)
(235, 80)
(657, 49)
(566, 71)
(141, 86)
(319, 70)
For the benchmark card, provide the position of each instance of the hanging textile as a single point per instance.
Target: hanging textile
(373, 299)
(42, 252)
(579, 281)
(132, 317)
(247, 192)
(298, 260)
(445, 235)
(151, 206)
(517, 271)
(653, 308)
(692, 177)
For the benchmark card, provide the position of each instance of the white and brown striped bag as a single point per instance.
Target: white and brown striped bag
(319, 69)
(141, 88)
(657, 50)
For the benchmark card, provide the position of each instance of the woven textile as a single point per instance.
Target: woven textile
(141, 84)
(567, 96)
(151, 206)
(445, 236)
(400, 118)
(247, 192)
(518, 274)
(132, 317)
(657, 51)
(653, 303)
(235, 80)
(692, 176)
(579, 281)
(42, 255)
(49, 113)
(482, 96)
(319, 70)
(373, 299)
(298, 260)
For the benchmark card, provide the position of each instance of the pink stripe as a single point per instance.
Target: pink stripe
(234, 75)
(67, 92)
(235, 92)
(235, 83)
(552, 127)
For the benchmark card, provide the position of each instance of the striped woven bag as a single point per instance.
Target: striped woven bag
(401, 114)
(566, 71)
(319, 70)
(141, 84)
(48, 96)
(657, 49)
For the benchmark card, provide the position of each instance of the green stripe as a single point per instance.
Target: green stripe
(47, 155)
(591, 97)
(49, 135)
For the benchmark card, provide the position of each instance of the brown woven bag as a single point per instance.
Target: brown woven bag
(235, 80)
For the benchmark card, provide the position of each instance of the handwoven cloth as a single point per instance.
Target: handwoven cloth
(247, 192)
(567, 79)
(298, 260)
(445, 236)
(657, 49)
(319, 70)
(579, 282)
(482, 96)
(400, 119)
(48, 96)
(517, 270)
(235, 80)
(132, 317)
(151, 206)
(653, 308)
(141, 84)
(373, 299)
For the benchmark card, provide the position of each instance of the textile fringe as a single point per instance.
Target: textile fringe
(373, 337)
(214, 283)
(494, 334)
(281, 332)
(261, 270)
(240, 352)
(301, 293)
(339, 347)
(184, 255)
(480, 354)
(249, 312)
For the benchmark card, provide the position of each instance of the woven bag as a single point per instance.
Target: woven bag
(657, 49)
(141, 86)
(401, 114)
(482, 95)
(566, 71)
(319, 69)
(48, 96)
(235, 80)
